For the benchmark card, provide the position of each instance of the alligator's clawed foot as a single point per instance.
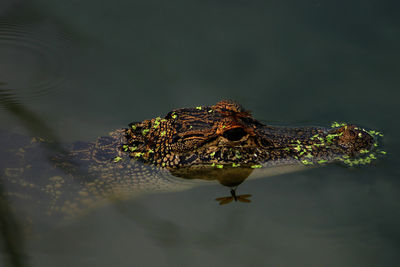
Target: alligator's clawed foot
(241, 198)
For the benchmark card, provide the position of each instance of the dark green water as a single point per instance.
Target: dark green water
(84, 68)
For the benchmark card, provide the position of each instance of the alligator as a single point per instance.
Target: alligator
(223, 142)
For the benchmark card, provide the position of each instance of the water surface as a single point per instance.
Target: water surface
(77, 70)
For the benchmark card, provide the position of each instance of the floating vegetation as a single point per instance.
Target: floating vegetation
(375, 133)
(362, 161)
(307, 162)
(237, 154)
(156, 123)
(138, 154)
(256, 166)
(337, 124)
(117, 159)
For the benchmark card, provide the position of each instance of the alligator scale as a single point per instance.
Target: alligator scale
(221, 142)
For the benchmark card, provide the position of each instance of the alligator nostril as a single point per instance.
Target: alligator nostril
(234, 134)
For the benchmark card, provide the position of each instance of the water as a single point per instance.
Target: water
(76, 71)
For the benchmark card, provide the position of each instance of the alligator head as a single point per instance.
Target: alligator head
(226, 135)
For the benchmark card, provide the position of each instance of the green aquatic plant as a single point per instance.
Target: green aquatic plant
(237, 154)
(157, 123)
(117, 159)
(257, 166)
(307, 162)
(375, 133)
(138, 154)
(337, 124)
(145, 131)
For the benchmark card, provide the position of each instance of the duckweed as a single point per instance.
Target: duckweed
(256, 166)
(138, 154)
(337, 124)
(156, 123)
(117, 159)
(375, 133)
(237, 155)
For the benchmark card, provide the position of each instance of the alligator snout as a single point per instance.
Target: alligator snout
(354, 139)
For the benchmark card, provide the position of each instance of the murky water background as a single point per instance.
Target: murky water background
(86, 68)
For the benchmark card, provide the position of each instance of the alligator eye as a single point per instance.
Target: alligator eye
(234, 134)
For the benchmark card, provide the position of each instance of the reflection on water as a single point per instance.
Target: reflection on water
(11, 232)
(31, 60)
(13, 226)
(33, 123)
(234, 196)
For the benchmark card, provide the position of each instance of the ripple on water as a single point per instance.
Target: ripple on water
(32, 60)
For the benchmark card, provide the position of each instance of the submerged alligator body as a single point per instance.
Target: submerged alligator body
(221, 142)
